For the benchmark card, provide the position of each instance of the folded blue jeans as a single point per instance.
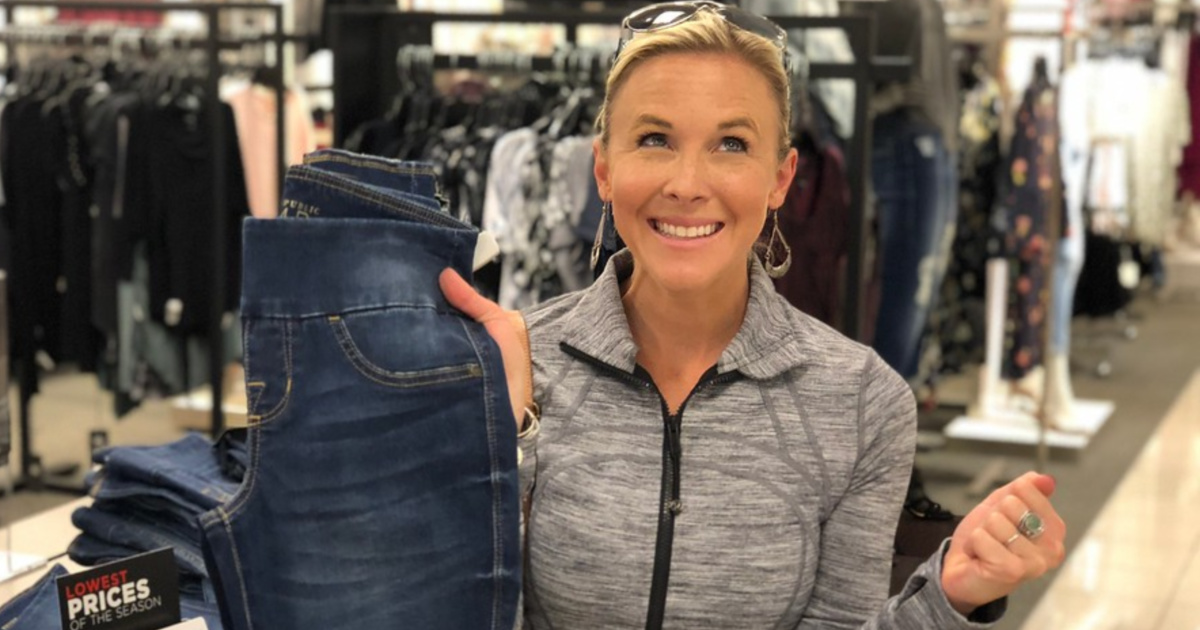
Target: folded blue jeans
(141, 533)
(37, 607)
(186, 471)
(382, 490)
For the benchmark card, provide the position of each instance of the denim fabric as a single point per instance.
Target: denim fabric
(37, 607)
(382, 490)
(190, 608)
(161, 512)
(236, 453)
(914, 181)
(414, 178)
(91, 551)
(186, 471)
(1067, 266)
(142, 533)
(115, 488)
(310, 192)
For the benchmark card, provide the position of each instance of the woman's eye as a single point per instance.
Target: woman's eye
(652, 140)
(733, 144)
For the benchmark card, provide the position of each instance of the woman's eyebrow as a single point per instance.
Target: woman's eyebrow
(650, 119)
(733, 123)
(743, 121)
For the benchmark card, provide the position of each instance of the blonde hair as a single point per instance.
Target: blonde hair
(704, 33)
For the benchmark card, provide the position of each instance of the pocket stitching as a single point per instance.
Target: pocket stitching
(400, 380)
(254, 392)
(242, 497)
(279, 407)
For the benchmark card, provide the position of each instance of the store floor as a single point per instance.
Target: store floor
(1131, 499)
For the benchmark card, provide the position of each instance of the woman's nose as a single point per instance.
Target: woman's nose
(687, 182)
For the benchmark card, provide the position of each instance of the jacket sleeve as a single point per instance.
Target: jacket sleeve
(857, 538)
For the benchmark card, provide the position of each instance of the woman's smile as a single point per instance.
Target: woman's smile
(690, 232)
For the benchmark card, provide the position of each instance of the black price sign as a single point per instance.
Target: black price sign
(137, 593)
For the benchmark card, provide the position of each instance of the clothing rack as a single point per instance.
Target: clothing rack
(32, 471)
(364, 40)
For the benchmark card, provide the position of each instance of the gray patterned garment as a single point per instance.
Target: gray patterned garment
(795, 455)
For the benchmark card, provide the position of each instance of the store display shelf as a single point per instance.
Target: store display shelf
(1090, 417)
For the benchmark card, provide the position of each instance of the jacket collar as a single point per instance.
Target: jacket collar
(766, 345)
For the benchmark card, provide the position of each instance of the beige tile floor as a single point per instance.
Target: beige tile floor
(1138, 565)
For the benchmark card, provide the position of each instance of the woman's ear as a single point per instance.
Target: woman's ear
(783, 178)
(600, 169)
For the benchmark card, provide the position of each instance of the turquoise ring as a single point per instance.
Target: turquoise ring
(1030, 525)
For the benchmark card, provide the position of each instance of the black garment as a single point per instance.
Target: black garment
(5, 420)
(120, 215)
(81, 342)
(1099, 292)
(32, 215)
(182, 230)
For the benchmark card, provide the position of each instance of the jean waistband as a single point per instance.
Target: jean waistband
(370, 162)
(313, 267)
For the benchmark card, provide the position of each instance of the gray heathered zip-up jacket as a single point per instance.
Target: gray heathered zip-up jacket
(794, 466)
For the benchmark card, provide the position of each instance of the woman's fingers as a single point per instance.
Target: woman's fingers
(465, 298)
(507, 329)
(1037, 500)
(1021, 549)
(997, 562)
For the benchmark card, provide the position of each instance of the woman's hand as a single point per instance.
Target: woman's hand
(507, 329)
(985, 562)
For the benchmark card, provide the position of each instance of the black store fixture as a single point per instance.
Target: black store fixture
(32, 471)
(364, 41)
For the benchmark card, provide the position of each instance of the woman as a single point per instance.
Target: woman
(706, 455)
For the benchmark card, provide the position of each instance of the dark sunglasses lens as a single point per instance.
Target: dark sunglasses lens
(659, 16)
(756, 24)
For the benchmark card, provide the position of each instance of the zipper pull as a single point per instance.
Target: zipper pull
(674, 506)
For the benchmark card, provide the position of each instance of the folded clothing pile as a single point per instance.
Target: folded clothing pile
(149, 497)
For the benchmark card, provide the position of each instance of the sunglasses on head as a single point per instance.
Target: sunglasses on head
(664, 15)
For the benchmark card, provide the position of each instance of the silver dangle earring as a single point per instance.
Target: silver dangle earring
(605, 216)
(776, 270)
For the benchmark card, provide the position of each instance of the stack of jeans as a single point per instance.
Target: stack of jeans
(382, 491)
(37, 607)
(150, 497)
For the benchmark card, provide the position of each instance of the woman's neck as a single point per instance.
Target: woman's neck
(683, 334)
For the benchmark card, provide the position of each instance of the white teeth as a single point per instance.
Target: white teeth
(686, 232)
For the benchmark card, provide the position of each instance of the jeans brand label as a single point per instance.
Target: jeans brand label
(298, 209)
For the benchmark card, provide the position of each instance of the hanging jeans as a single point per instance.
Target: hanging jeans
(382, 489)
(915, 188)
(1066, 275)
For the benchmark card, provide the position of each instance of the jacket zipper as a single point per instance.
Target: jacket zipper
(670, 501)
